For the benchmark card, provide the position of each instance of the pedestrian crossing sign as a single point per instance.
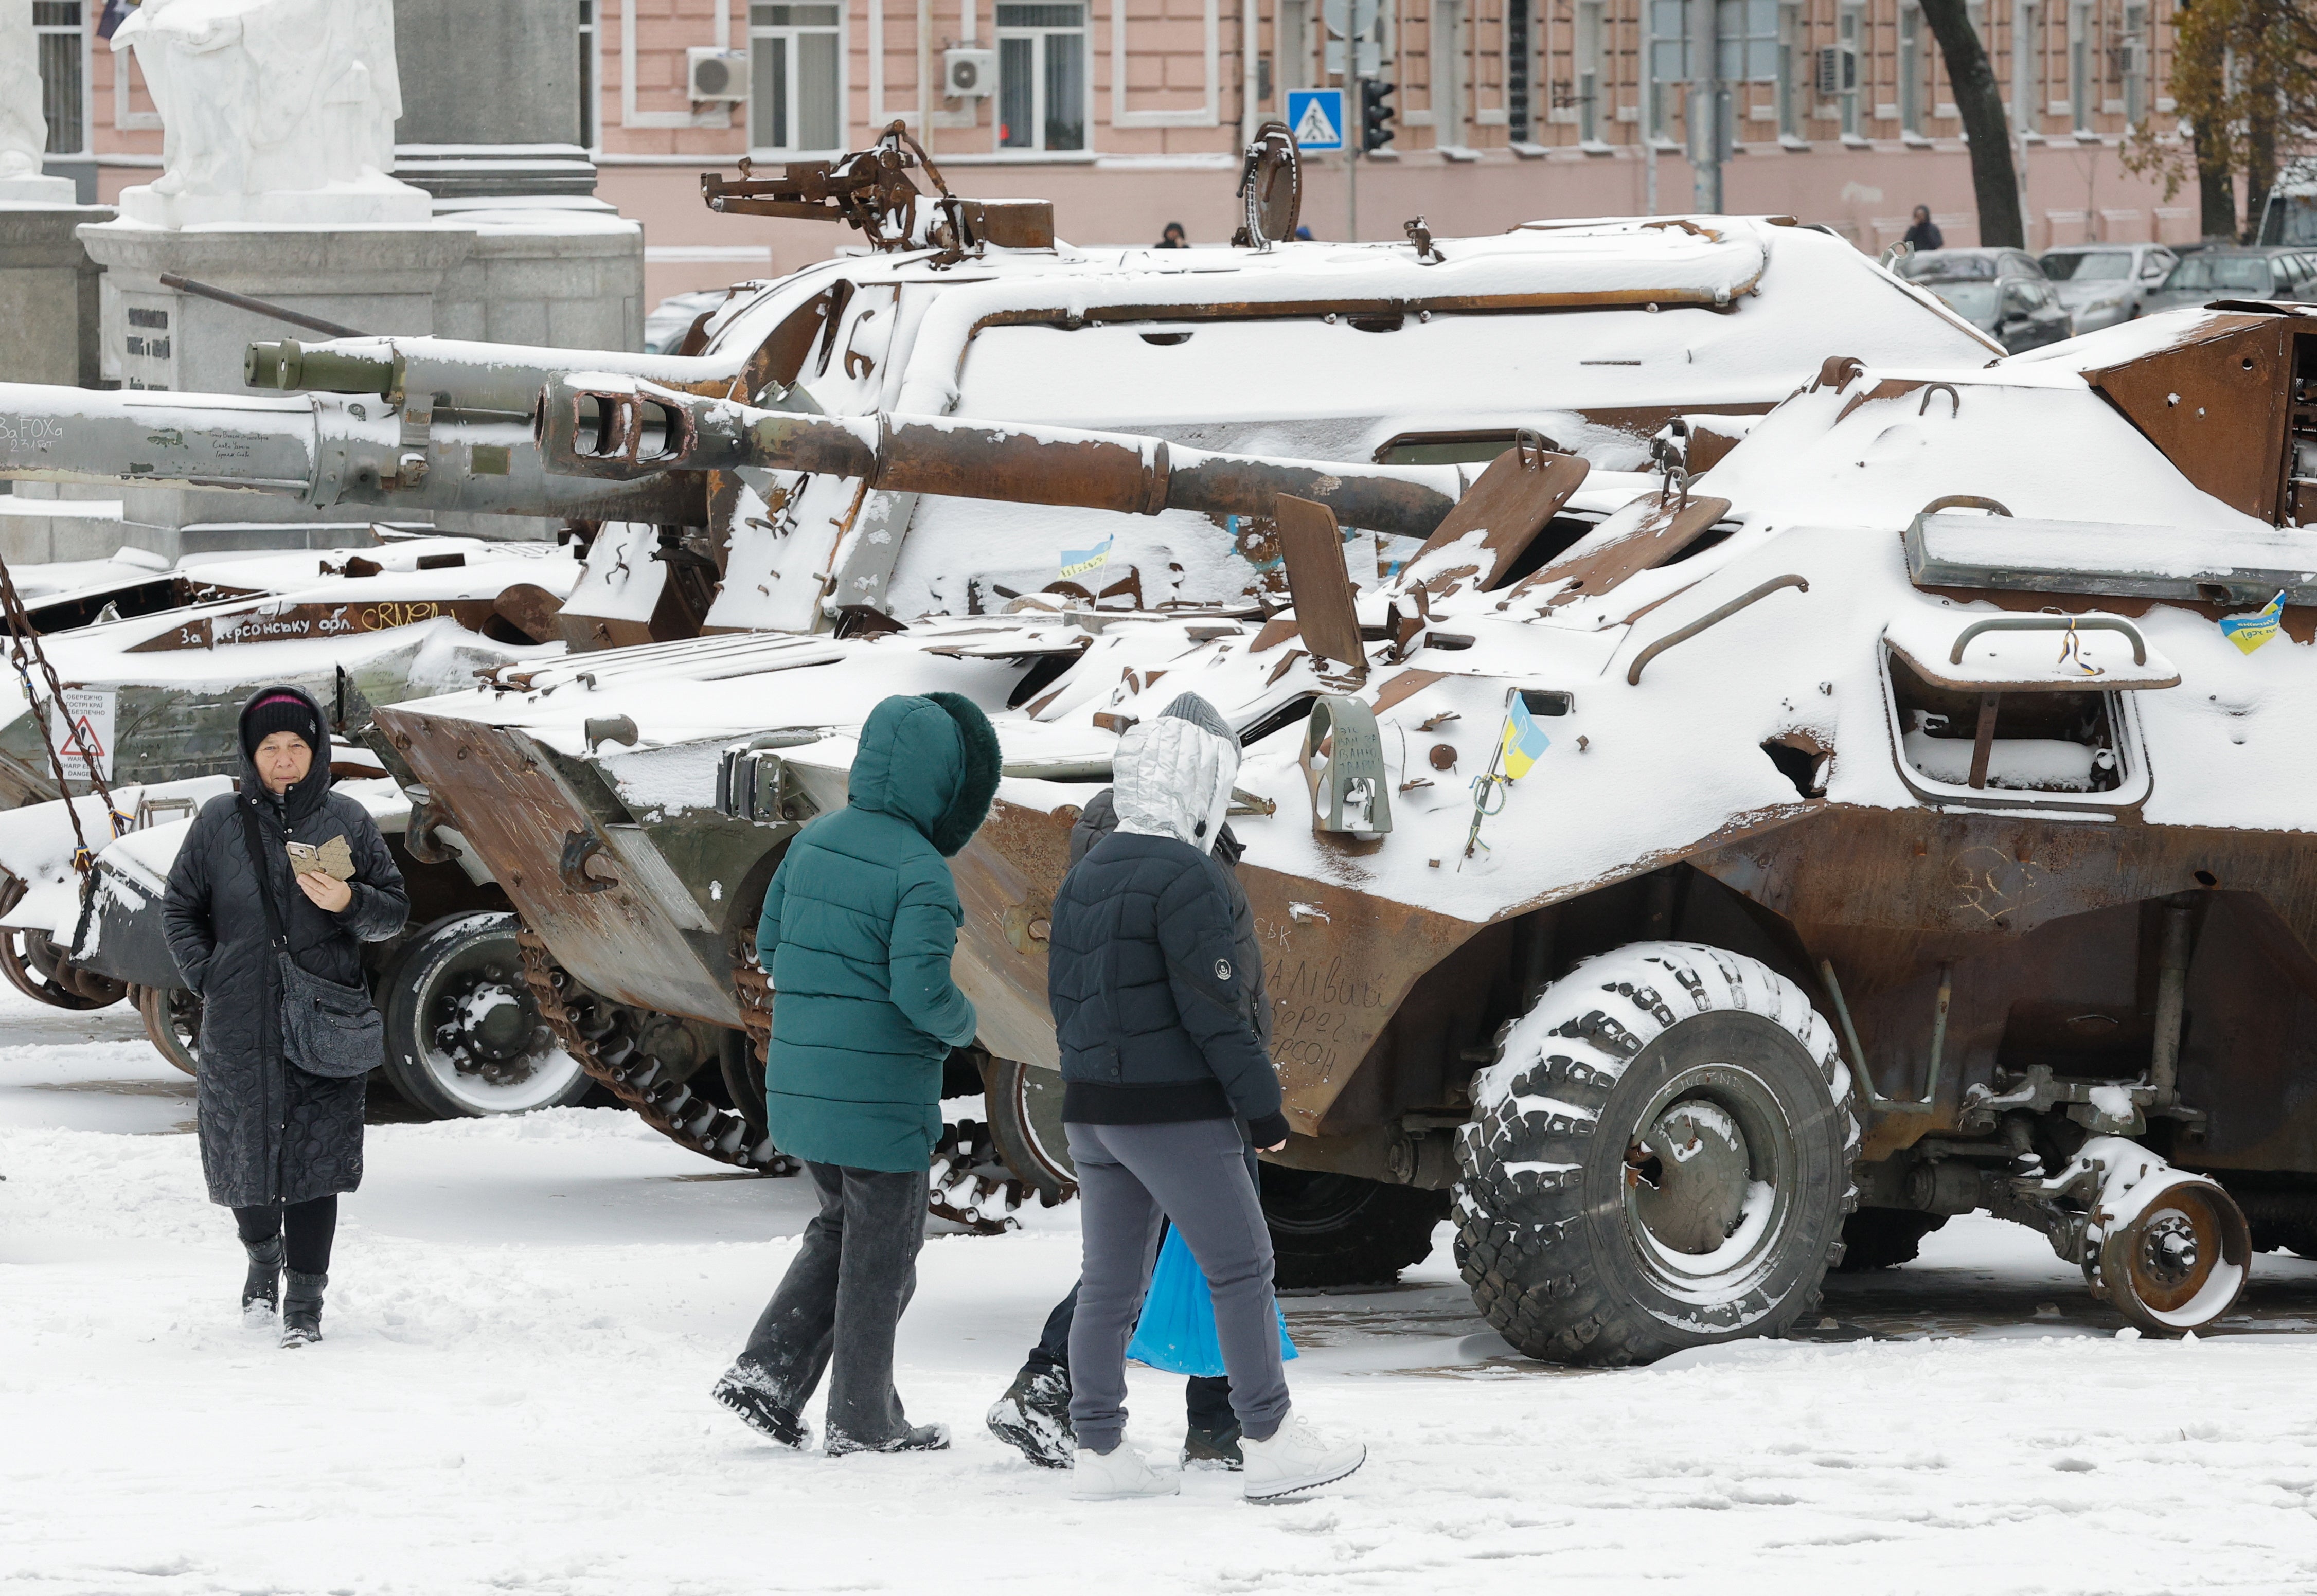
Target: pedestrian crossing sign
(1316, 117)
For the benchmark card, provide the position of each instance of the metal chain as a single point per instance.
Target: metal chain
(24, 651)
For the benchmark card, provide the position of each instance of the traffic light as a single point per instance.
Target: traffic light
(1375, 116)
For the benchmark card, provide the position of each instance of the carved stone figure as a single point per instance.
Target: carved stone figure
(272, 111)
(23, 132)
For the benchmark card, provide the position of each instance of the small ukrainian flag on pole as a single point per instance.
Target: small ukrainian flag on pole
(1524, 740)
(1077, 562)
(2248, 632)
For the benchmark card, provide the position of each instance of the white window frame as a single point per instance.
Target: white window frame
(2079, 67)
(791, 32)
(1037, 151)
(1451, 46)
(1911, 71)
(1206, 115)
(591, 89)
(629, 116)
(1850, 33)
(1587, 68)
(2139, 49)
(1660, 94)
(1290, 49)
(86, 31)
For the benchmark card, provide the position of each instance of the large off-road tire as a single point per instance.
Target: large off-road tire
(1660, 1158)
(1883, 1238)
(1340, 1230)
(1025, 1120)
(464, 1036)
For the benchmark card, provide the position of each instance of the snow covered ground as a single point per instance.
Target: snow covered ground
(525, 1317)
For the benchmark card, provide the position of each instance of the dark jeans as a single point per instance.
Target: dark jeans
(311, 1226)
(1206, 1398)
(1192, 1174)
(843, 1297)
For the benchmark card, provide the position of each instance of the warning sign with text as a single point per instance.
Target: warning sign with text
(83, 733)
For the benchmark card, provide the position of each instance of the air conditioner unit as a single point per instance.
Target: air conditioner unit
(969, 74)
(717, 74)
(1838, 71)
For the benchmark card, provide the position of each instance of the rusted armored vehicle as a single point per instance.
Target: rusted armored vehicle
(1701, 874)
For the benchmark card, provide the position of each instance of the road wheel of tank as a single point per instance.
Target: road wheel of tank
(173, 1022)
(1660, 1159)
(1883, 1238)
(1329, 1230)
(744, 1077)
(464, 1036)
(1025, 1120)
(2180, 1262)
(37, 967)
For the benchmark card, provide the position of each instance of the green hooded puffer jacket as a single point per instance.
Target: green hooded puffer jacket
(857, 932)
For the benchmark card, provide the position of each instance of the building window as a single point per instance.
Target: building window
(2132, 64)
(1041, 76)
(1294, 47)
(2080, 69)
(795, 92)
(1448, 52)
(588, 89)
(63, 45)
(1846, 33)
(1591, 80)
(1910, 72)
(2026, 63)
(1669, 72)
(1517, 55)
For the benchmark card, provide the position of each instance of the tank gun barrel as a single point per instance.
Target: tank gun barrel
(456, 376)
(322, 449)
(605, 426)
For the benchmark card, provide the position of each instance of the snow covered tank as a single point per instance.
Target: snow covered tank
(1710, 876)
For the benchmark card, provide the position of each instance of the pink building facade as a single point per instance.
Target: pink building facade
(1129, 113)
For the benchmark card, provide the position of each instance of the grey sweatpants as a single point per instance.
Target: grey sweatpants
(1195, 1174)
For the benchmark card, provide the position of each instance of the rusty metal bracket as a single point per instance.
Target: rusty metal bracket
(1965, 501)
(1711, 618)
(2050, 623)
(1873, 1099)
(1949, 388)
(571, 870)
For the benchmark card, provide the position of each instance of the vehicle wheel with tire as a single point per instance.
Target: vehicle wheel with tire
(36, 967)
(464, 1036)
(1883, 1238)
(1341, 1230)
(1660, 1159)
(1026, 1119)
(173, 1022)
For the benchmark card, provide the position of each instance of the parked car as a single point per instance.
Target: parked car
(2002, 293)
(2102, 284)
(673, 318)
(2222, 273)
(2290, 217)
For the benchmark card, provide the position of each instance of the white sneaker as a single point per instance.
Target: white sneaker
(1298, 1457)
(1117, 1474)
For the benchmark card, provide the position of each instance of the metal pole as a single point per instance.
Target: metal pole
(1351, 142)
(1705, 106)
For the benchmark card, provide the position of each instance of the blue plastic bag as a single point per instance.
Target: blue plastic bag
(1176, 1334)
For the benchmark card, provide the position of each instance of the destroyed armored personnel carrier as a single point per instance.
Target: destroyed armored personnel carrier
(1700, 873)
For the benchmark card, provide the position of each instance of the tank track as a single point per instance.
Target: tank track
(970, 1186)
(600, 1036)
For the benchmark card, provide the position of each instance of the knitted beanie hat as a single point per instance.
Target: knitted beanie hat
(279, 712)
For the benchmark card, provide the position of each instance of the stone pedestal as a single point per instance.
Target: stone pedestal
(49, 294)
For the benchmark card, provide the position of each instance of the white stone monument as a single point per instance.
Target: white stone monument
(24, 130)
(272, 111)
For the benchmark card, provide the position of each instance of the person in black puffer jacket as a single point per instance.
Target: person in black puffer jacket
(1034, 1416)
(1160, 1064)
(280, 1142)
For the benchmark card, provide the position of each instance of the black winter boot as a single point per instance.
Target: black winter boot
(261, 1292)
(1034, 1416)
(924, 1438)
(753, 1396)
(302, 1308)
(1212, 1449)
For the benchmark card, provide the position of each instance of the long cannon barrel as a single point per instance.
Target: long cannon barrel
(321, 449)
(607, 425)
(460, 376)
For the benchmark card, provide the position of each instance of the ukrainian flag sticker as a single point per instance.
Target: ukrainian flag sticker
(1524, 740)
(2248, 632)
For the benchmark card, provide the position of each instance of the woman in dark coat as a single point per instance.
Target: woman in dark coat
(281, 1120)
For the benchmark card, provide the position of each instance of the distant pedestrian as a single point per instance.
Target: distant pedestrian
(857, 932)
(1159, 1066)
(1034, 1415)
(1925, 235)
(1173, 237)
(272, 948)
